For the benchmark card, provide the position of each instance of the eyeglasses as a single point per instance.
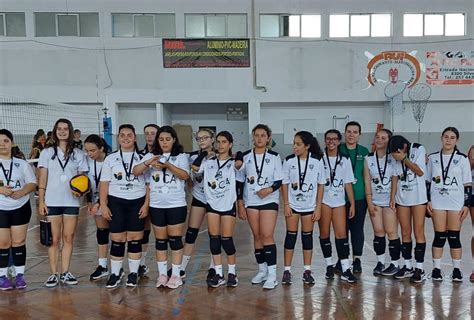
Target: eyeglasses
(201, 138)
(332, 139)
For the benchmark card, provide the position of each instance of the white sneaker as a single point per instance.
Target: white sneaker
(271, 282)
(162, 281)
(260, 277)
(174, 282)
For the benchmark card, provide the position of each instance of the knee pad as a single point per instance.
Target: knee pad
(4, 256)
(342, 248)
(379, 245)
(454, 239)
(161, 244)
(394, 247)
(191, 235)
(135, 246)
(176, 242)
(215, 244)
(420, 249)
(290, 240)
(19, 255)
(326, 247)
(439, 239)
(102, 236)
(228, 245)
(307, 240)
(146, 236)
(117, 249)
(406, 250)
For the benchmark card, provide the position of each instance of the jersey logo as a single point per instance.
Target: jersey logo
(118, 176)
(311, 166)
(267, 161)
(251, 180)
(18, 165)
(156, 177)
(213, 185)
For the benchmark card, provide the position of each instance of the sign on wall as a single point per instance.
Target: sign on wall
(450, 67)
(393, 66)
(206, 53)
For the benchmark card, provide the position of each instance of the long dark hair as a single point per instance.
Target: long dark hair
(228, 136)
(70, 139)
(176, 149)
(398, 143)
(311, 141)
(15, 151)
(131, 127)
(35, 143)
(152, 125)
(99, 142)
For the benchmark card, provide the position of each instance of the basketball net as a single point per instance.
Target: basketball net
(394, 93)
(419, 96)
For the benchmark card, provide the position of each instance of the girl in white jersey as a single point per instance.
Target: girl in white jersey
(449, 177)
(124, 199)
(57, 165)
(408, 197)
(302, 191)
(261, 175)
(168, 168)
(17, 181)
(97, 150)
(205, 139)
(471, 161)
(339, 179)
(378, 169)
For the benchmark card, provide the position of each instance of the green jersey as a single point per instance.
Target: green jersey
(357, 156)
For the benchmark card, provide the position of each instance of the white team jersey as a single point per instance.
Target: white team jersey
(219, 183)
(381, 172)
(198, 186)
(58, 192)
(303, 178)
(269, 169)
(166, 190)
(15, 174)
(411, 189)
(94, 174)
(119, 173)
(338, 172)
(447, 190)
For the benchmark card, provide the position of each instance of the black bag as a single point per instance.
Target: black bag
(46, 237)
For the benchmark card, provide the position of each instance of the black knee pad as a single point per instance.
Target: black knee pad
(4, 256)
(102, 236)
(406, 250)
(228, 245)
(290, 240)
(259, 256)
(454, 239)
(161, 244)
(379, 245)
(176, 242)
(215, 244)
(270, 254)
(326, 247)
(19, 255)
(420, 249)
(135, 246)
(307, 240)
(394, 247)
(439, 239)
(146, 236)
(117, 249)
(191, 235)
(342, 248)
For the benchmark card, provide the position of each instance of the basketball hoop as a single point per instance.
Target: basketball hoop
(394, 93)
(419, 96)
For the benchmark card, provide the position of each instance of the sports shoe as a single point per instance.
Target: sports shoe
(259, 277)
(471, 278)
(216, 281)
(232, 280)
(403, 273)
(182, 273)
(52, 281)
(142, 270)
(329, 272)
(338, 268)
(5, 283)
(348, 276)
(20, 282)
(436, 275)
(67, 278)
(11, 273)
(418, 276)
(456, 276)
(270, 283)
(357, 266)
(286, 278)
(174, 282)
(390, 270)
(132, 279)
(308, 277)
(114, 281)
(99, 273)
(210, 275)
(162, 281)
(379, 269)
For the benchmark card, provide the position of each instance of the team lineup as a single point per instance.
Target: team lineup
(132, 193)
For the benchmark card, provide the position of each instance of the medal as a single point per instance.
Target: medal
(302, 175)
(63, 178)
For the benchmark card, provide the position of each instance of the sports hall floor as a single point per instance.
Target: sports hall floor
(372, 298)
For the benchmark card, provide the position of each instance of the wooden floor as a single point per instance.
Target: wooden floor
(372, 298)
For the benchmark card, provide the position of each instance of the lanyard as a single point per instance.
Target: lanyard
(8, 176)
(127, 172)
(63, 166)
(219, 167)
(332, 172)
(444, 172)
(302, 175)
(96, 177)
(164, 169)
(259, 171)
(405, 168)
(381, 173)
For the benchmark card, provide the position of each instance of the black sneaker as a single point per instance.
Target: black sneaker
(356, 266)
(114, 281)
(308, 277)
(456, 276)
(338, 268)
(418, 276)
(348, 276)
(403, 273)
(436, 275)
(390, 270)
(286, 279)
(67, 278)
(142, 270)
(216, 281)
(232, 280)
(182, 273)
(329, 272)
(99, 273)
(211, 273)
(132, 279)
(379, 269)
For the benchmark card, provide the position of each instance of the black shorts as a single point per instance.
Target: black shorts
(306, 213)
(59, 211)
(231, 212)
(197, 203)
(163, 217)
(15, 217)
(125, 214)
(472, 201)
(268, 206)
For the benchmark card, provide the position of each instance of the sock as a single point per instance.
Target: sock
(262, 267)
(395, 263)
(408, 264)
(232, 268)
(184, 262)
(143, 258)
(116, 265)
(218, 269)
(133, 265)
(272, 270)
(288, 268)
(175, 269)
(211, 264)
(103, 262)
(307, 267)
(381, 258)
(328, 261)
(457, 264)
(419, 265)
(345, 265)
(437, 263)
(3, 272)
(20, 269)
(162, 267)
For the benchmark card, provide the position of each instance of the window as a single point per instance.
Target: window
(360, 25)
(143, 25)
(12, 24)
(433, 24)
(54, 24)
(294, 25)
(216, 25)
